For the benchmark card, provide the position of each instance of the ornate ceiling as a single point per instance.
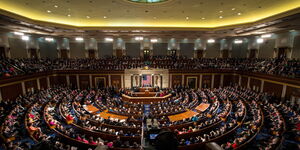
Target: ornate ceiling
(179, 14)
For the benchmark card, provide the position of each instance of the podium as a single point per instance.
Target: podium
(147, 92)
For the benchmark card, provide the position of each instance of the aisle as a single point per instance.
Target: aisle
(147, 109)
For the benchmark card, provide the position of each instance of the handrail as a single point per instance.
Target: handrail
(259, 128)
(95, 122)
(96, 133)
(186, 124)
(185, 135)
(67, 139)
(283, 131)
(25, 123)
(75, 142)
(198, 145)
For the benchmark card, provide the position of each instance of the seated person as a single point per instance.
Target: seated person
(32, 128)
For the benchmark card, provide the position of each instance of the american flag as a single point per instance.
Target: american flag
(146, 80)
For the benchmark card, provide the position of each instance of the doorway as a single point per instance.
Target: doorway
(2, 52)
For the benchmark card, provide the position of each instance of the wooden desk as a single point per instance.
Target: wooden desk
(202, 107)
(181, 116)
(145, 100)
(90, 108)
(144, 94)
(143, 89)
(104, 114)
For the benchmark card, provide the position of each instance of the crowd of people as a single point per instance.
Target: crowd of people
(282, 67)
(58, 116)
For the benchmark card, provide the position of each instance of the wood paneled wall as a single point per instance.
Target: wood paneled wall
(116, 81)
(11, 92)
(217, 81)
(255, 84)
(13, 88)
(244, 82)
(84, 81)
(43, 83)
(32, 84)
(176, 80)
(273, 88)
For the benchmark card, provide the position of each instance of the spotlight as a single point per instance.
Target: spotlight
(109, 39)
(238, 41)
(18, 33)
(211, 41)
(153, 40)
(266, 36)
(49, 39)
(25, 38)
(79, 39)
(139, 38)
(260, 40)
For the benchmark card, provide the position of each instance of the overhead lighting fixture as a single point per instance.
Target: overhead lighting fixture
(109, 39)
(18, 33)
(233, 9)
(239, 14)
(55, 6)
(48, 11)
(147, 1)
(238, 41)
(211, 41)
(220, 11)
(266, 36)
(88, 17)
(139, 38)
(154, 40)
(259, 32)
(260, 40)
(203, 18)
(49, 39)
(25, 38)
(79, 39)
(69, 15)
(104, 17)
(221, 17)
(187, 18)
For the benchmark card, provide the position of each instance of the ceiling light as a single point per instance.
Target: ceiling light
(147, 1)
(233, 9)
(260, 40)
(18, 33)
(25, 38)
(104, 17)
(153, 40)
(69, 15)
(266, 35)
(239, 14)
(55, 6)
(203, 18)
(259, 32)
(88, 17)
(48, 11)
(154, 17)
(109, 39)
(238, 41)
(211, 41)
(220, 11)
(221, 17)
(49, 39)
(187, 18)
(79, 39)
(139, 38)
